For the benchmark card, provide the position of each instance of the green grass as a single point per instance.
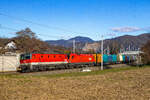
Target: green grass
(98, 72)
(74, 74)
(12, 76)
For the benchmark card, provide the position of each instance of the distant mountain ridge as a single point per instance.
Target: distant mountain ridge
(68, 43)
(127, 42)
(134, 42)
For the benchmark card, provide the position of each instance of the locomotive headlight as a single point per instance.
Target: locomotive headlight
(90, 58)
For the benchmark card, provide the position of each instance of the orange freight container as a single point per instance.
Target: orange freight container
(98, 58)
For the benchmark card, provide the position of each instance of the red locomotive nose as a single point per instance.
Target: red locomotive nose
(65, 60)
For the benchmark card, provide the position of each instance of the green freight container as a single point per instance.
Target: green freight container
(105, 58)
(114, 58)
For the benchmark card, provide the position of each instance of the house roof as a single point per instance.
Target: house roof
(9, 42)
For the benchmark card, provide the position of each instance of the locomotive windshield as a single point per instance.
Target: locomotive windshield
(25, 56)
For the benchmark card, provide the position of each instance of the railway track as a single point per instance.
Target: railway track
(56, 71)
(59, 71)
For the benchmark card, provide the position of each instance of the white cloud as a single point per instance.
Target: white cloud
(125, 29)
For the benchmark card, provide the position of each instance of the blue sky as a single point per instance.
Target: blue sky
(64, 19)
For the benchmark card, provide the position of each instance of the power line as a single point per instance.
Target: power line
(8, 28)
(39, 24)
(12, 29)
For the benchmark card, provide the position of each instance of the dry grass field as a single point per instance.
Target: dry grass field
(118, 84)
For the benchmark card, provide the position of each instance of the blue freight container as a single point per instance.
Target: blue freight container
(110, 59)
(127, 58)
(123, 56)
(105, 58)
(114, 58)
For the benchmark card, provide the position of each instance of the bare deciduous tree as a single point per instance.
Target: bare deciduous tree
(146, 54)
(27, 41)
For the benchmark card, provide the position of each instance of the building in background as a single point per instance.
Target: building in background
(10, 45)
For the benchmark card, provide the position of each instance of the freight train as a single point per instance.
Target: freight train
(40, 62)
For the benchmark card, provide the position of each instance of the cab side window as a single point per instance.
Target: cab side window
(27, 57)
(72, 57)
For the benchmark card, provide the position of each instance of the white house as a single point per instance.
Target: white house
(10, 45)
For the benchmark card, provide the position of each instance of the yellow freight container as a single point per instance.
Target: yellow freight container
(119, 58)
(97, 58)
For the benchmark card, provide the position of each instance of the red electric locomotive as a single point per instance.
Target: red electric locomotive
(76, 60)
(40, 62)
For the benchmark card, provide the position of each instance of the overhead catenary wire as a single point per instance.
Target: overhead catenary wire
(12, 29)
(14, 33)
(37, 34)
(7, 28)
(42, 25)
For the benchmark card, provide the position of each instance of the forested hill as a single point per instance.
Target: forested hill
(126, 42)
(68, 43)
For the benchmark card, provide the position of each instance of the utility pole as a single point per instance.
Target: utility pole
(103, 50)
(74, 46)
(102, 53)
(108, 51)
